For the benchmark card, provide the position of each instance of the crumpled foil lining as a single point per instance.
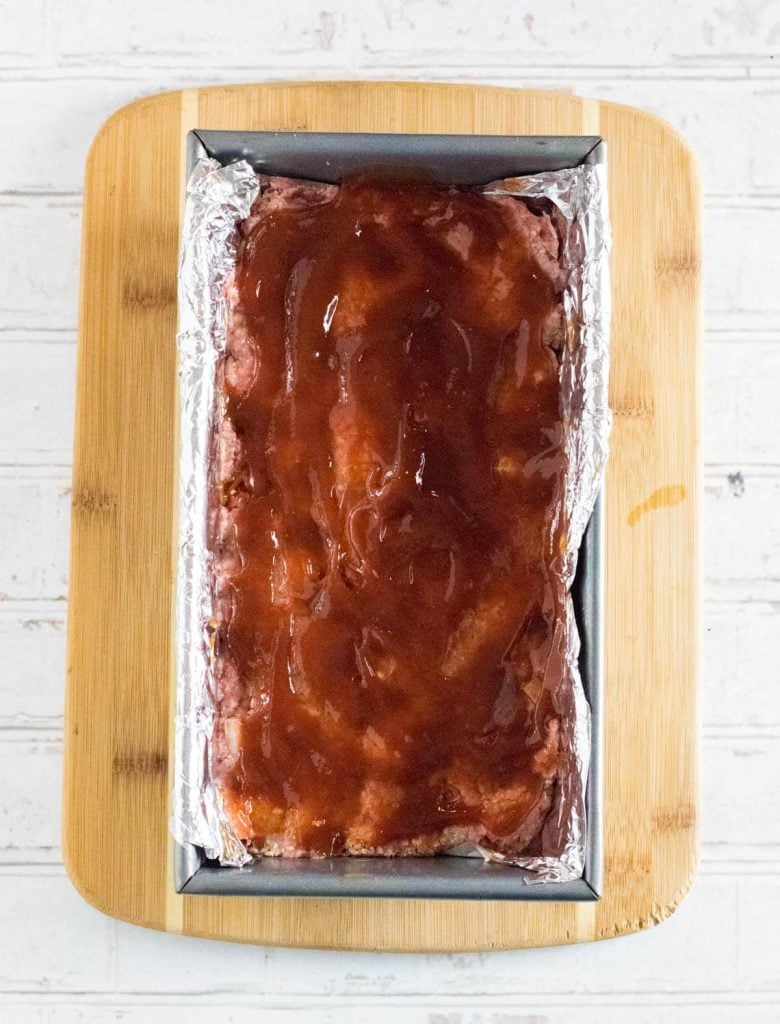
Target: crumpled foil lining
(217, 199)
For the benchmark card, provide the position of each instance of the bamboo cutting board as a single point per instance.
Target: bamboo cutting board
(118, 713)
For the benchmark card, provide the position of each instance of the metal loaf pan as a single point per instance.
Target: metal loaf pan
(457, 160)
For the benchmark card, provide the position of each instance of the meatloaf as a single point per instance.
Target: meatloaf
(386, 522)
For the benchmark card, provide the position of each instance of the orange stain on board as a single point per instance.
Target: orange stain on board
(664, 497)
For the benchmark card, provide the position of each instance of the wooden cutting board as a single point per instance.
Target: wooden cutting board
(118, 713)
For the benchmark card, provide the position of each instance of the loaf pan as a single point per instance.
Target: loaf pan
(457, 160)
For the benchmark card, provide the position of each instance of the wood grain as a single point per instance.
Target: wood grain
(119, 657)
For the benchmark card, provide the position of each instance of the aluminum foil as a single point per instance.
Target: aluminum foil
(217, 199)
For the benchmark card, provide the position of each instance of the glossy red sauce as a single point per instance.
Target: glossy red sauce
(387, 522)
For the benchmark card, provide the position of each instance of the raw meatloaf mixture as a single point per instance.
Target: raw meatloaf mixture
(386, 522)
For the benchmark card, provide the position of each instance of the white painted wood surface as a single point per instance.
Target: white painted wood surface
(710, 69)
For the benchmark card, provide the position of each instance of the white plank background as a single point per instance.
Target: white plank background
(710, 69)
